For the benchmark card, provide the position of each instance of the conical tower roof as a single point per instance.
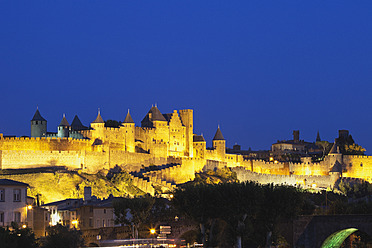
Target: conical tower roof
(334, 149)
(98, 119)
(37, 116)
(318, 137)
(76, 124)
(218, 135)
(64, 122)
(128, 118)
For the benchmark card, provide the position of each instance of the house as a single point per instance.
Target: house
(13, 203)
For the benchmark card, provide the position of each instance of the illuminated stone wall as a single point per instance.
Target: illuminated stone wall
(358, 167)
(302, 180)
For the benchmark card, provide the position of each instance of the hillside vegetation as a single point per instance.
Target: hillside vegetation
(55, 185)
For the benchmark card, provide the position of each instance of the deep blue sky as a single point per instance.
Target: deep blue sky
(260, 69)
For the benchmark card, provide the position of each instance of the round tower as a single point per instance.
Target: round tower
(64, 128)
(129, 128)
(219, 144)
(38, 125)
(98, 126)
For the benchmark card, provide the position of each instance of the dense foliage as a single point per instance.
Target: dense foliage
(17, 238)
(248, 211)
(63, 237)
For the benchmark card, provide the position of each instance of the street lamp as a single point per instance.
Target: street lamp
(152, 233)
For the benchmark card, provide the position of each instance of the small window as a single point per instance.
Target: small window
(17, 217)
(104, 211)
(2, 194)
(17, 195)
(2, 217)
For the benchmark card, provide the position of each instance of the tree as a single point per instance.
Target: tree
(112, 123)
(133, 211)
(63, 237)
(238, 206)
(279, 202)
(325, 146)
(17, 238)
(199, 203)
(354, 149)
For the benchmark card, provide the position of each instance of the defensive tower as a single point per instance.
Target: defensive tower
(219, 144)
(38, 125)
(64, 128)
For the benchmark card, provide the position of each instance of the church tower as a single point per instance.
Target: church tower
(38, 125)
(219, 144)
(128, 126)
(64, 128)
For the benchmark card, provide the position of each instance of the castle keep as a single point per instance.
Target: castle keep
(168, 142)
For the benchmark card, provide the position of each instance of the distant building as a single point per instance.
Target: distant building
(84, 214)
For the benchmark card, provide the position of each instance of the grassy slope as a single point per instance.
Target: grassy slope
(59, 185)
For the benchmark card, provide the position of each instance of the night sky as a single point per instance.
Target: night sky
(259, 69)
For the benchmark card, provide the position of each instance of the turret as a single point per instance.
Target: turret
(63, 128)
(128, 125)
(187, 119)
(38, 125)
(219, 144)
(98, 125)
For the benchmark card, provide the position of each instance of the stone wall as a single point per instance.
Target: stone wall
(294, 180)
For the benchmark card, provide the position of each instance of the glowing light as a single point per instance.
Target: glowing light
(276, 161)
(313, 185)
(24, 226)
(337, 238)
(271, 158)
(29, 207)
(152, 231)
(171, 196)
(75, 223)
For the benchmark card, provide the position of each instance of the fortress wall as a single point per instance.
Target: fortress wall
(28, 159)
(184, 170)
(309, 168)
(143, 185)
(44, 144)
(131, 161)
(358, 167)
(294, 180)
(95, 161)
(262, 166)
(234, 160)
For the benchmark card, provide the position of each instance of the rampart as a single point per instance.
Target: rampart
(44, 144)
(358, 167)
(294, 180)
